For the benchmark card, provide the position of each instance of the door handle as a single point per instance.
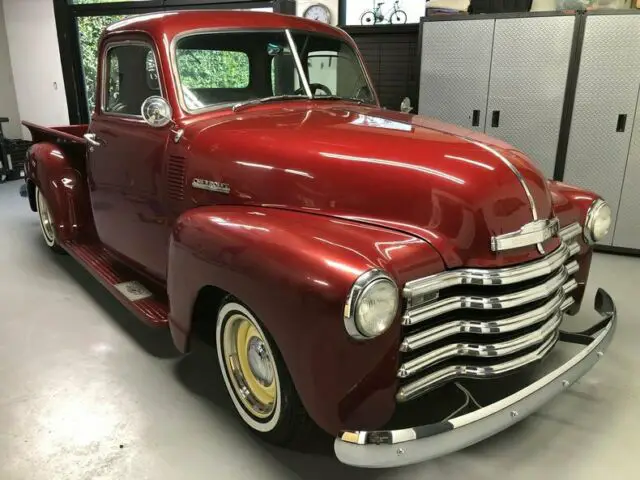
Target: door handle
(92, 139)
(475, 118)
(495, 118)
(622, 122)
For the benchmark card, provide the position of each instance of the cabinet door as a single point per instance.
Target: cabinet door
(627, 232)
(607, 90)
(454, 71)
(528, 82)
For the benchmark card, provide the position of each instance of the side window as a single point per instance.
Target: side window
(131, 77)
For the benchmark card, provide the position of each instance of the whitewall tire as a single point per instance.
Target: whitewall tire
(47, 223)
(256, 377)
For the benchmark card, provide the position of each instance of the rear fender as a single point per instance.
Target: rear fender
(49, 168)
(294, 271)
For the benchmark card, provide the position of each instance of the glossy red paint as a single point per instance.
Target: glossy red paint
(297, 269)
(321, 191)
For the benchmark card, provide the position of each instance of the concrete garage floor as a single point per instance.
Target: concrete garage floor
(88, 392)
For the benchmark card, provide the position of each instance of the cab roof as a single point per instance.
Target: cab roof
(166, 25)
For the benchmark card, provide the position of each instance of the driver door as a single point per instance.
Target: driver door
(126, 160)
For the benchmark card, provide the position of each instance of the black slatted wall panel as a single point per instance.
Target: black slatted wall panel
(391, 55)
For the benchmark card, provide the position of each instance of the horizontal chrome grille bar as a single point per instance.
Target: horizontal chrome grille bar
(439, 377)
(509, 300)
(426, 337)
(482, 350)
(570, 232)
(493, 276)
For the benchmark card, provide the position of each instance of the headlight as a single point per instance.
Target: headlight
(598, 221)
(371, 306)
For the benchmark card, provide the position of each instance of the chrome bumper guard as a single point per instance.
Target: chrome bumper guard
(393, 448)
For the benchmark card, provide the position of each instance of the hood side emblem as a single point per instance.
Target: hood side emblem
(211, 186)
(533, 233)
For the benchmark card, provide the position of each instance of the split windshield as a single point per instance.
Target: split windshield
(227, 68)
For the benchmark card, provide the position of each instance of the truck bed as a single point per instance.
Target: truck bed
(63, 134)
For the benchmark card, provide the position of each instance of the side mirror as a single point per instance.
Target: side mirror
(156, 111)
(405, 106)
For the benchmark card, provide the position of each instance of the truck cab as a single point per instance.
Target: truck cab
(240, 181)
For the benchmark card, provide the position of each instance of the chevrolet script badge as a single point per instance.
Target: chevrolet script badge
(211, 186)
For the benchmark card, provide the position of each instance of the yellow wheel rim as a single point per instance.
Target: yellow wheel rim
(250, 365)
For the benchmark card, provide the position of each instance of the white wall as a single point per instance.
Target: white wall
(8, 103)
(35, 61)
(302, 5)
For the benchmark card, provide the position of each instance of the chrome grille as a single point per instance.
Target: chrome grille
(479, 323)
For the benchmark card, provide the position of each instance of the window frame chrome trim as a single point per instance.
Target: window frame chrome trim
(109, 45)
(173, 64)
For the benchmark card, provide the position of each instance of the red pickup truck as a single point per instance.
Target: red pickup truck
(240, 181)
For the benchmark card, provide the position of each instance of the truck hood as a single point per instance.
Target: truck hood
(452, 187)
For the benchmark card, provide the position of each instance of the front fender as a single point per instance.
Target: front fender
(570, 205)
(294, 270)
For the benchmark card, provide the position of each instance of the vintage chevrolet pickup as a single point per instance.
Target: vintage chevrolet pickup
(239, 181)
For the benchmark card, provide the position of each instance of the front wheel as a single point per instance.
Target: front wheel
(257, 378)
(47, 224)
(368, 18)
(398, 17)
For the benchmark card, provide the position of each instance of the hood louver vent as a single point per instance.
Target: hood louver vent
(175, 178)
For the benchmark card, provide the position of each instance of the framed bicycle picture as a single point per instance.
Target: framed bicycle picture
(371, 13)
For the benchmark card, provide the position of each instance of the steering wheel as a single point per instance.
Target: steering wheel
(314, 87)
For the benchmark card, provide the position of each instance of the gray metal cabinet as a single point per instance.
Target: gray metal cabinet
(529, 71)
(603, 116)
(503, 76)
(454, 75)
(627, 230)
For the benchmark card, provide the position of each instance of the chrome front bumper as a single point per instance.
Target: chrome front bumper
(392, 448)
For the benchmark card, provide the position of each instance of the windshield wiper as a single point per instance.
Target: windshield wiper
(258, 101)
(359, 101)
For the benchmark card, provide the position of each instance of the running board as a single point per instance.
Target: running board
(127, 286)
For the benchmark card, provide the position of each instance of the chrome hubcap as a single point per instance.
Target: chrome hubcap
(250, 366)
(260, 362)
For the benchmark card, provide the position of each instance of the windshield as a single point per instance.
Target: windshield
(219, 69)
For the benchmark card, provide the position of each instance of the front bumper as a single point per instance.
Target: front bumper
(392, 448)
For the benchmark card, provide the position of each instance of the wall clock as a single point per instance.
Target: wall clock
(318, 12)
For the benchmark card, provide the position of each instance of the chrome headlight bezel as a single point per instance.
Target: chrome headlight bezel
(359, 290)
(595, 210)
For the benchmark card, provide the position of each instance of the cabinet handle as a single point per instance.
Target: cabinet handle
(622, 122)
(475, 118)
(495, 118)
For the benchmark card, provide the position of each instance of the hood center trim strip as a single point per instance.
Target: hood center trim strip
(516, 172)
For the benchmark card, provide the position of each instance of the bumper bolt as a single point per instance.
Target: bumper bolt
(514, 413)
(400, 451)
(565, 383)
